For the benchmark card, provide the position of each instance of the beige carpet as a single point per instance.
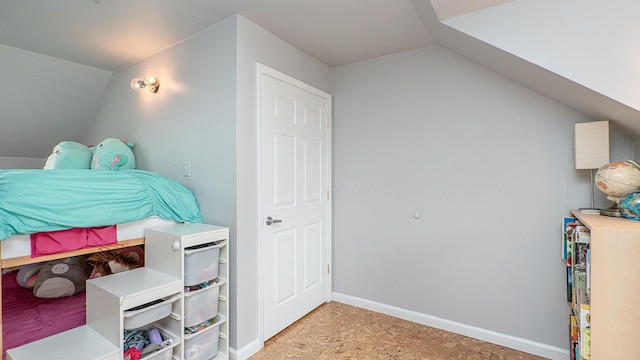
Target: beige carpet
(339, 331)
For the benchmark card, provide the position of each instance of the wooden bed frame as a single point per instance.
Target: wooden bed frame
(25, 260)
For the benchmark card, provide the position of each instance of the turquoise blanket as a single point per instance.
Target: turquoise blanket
(48, 200)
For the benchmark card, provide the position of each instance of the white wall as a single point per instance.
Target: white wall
(621, 146)
(256, 45)
(7, 162)
(191, 118)
(44, 100)
(205, 112)
(489, 166)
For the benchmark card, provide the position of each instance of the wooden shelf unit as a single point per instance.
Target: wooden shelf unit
(615, 286)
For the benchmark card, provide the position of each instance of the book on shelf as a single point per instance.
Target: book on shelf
(581, 280)
(574, 333)
(569, 284)
(585, 332)
(583, 235)
(580, 256)
(568, 226)
(576, 251)
(588, 271)
(580, 240)
(580, 288)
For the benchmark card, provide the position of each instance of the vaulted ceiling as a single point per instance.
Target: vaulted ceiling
(582, 53)
(579, 52)
(111, 34)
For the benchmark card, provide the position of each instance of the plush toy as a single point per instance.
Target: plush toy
(63, 277)
(69, 155)
(28, 275)
(113, 154)
(115, 261)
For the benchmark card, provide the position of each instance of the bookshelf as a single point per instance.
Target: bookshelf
(614, 281)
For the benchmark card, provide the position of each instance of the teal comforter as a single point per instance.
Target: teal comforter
(48, 200)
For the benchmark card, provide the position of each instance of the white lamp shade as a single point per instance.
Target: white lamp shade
(591, 144)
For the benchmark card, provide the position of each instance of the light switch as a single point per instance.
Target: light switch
(187, 169)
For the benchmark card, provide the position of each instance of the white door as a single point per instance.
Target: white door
(294, 194)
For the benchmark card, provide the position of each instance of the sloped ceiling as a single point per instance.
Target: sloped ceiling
(592, 51)
(42, 107)
(447, 9)
(111, 34)
(582, 53)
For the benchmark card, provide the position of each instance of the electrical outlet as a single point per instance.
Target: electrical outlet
(187, 169)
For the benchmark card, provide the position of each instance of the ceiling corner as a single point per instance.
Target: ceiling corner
(446, 9)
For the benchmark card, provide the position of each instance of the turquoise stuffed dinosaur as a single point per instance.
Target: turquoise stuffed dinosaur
(113, 154)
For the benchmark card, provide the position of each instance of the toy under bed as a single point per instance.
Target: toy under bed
(28, 318)
(34, 201)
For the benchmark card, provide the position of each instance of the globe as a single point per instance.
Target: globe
(618, 178)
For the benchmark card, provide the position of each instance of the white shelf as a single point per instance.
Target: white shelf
(138, 286)
(81, 343)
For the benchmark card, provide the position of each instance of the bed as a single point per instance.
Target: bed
(36, 202)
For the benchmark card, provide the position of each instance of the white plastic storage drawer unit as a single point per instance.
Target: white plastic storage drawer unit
(202, 304)
(154, 296)
(197, 254)
(166, 351)
(164, 354)
(148, 313)
(130, 297)
(204, 343)
(201, 263)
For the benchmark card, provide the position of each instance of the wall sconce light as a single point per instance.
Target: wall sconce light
(151, 82)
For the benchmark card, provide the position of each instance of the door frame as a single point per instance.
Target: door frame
(263, 70)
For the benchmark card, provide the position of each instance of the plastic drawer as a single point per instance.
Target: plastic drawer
(201, 263)
(166, 353)
(202, 305)
(148, 313)
(204, 343)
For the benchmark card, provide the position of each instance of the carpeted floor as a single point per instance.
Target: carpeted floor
(340, 331)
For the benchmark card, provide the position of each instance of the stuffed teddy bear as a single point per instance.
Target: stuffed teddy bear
(113, 154)
(69, 155)
(115, 261)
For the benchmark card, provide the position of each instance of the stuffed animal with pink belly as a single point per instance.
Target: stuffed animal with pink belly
(113, 154)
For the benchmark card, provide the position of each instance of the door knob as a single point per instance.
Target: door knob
(272, 221)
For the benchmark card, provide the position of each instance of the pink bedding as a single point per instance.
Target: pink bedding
(26, 318)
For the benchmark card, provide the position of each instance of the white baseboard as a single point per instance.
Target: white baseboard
(246, 351)
(512, 342)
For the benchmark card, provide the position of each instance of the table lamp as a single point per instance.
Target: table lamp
(591, 149)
